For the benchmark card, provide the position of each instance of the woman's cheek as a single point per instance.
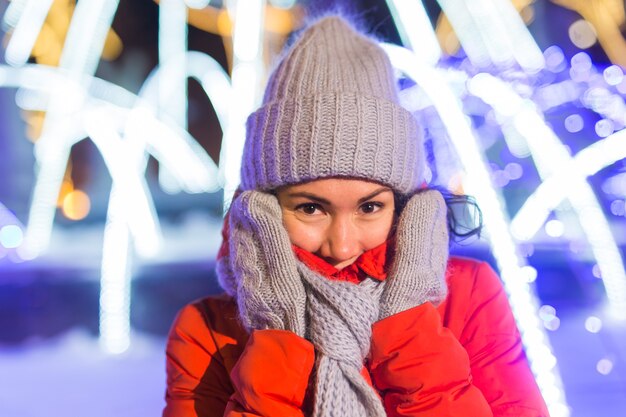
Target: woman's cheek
(302, 234)
(376, 232)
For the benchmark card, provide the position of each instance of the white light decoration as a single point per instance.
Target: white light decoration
(249, 16)
(79, 59)
(172, 90)
(467, 31)
(559, 186)
(492, 31)
(123, 126)
(523, 301)
(551, 158)
(14, 12)
(415, 29)
(26, 24)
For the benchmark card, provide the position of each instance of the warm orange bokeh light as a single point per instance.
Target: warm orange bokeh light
(76, 205)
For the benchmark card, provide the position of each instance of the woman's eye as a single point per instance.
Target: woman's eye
(308, 208)
(370, 207)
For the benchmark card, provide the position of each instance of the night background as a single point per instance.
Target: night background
(120, 131)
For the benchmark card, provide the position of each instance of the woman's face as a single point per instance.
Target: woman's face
(337, 219)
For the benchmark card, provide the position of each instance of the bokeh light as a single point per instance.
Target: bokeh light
(613, 75)
(574, 123)
(582, 34)
(514, 170)
(593, 324)
(604, 366)
(618, 207)
(76, 205)
(555, 228)
(604, 128)
(11, 236)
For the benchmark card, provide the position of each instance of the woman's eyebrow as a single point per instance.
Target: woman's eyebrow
(374, 194)
(322, 200)
(310, 197)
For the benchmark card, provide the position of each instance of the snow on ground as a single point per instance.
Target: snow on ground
(70, 376)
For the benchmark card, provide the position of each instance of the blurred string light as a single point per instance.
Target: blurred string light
(172, 88)
(246, 79)
(125, 161)
(26, 17)
(130, 205)
(602, 18)
(616, 185)
(11, 232)
(492, 32)
(552, 159)
(283, 4)
(586, 86)
(559, 186)
(416, 32)
(172, 91)
(197, 4)
(512, 266)
(81, 53)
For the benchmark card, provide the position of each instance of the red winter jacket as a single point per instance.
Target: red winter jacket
(463, 358)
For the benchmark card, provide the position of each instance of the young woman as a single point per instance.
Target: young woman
(340, 297)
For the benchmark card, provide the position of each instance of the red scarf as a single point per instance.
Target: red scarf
(372, 263)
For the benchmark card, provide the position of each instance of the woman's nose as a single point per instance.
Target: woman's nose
(343, 241)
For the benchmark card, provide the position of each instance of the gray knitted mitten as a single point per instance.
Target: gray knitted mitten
(270, 293)
(417, 273)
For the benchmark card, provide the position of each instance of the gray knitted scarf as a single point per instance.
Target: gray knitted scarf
(340, 316)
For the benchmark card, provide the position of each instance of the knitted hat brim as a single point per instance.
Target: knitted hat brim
(285, 142)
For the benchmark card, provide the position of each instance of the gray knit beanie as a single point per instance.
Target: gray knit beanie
(331, 110)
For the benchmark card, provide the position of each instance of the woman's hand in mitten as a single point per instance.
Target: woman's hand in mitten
(417, 273)
(270, 293)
